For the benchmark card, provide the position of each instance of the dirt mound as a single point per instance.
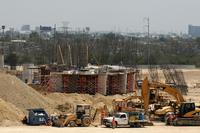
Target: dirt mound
(74, 98)
(14, 91)
(9, 114)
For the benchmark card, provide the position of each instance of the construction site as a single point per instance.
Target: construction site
(72, 92)
(105, 89)
(110, 69)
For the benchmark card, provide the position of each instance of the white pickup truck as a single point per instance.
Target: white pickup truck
(133, 119)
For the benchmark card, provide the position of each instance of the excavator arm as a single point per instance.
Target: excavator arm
(146, 87)
(170, 90)
(145, 94)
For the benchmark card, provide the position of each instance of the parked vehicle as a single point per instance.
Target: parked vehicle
(133, 119)
(37, 116)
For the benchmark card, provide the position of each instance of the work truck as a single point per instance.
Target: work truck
(132, 119)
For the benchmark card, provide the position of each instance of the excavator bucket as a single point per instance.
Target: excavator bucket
(145, 94)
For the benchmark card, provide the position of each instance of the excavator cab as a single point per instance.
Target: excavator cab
(186, 107)
(83, 110)
(80, 118)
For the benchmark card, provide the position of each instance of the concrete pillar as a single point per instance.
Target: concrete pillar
(123, 80)
(102, 83)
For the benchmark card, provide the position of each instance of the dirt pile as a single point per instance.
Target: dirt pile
(9, 114)
(16, 97)
(63, 100)
(14, 91)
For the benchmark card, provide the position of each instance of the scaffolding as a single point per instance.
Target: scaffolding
(153, 72)
(85, 82)
(175, 77)
(76, 83)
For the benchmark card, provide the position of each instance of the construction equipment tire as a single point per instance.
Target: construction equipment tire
(72, 124)
(86, 122)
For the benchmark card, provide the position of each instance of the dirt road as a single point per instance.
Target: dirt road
(152, 129)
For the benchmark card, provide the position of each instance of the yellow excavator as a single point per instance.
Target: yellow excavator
(177, 113)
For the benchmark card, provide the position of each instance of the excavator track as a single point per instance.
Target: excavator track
(186, 122)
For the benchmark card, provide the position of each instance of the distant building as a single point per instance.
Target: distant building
(194, 31)
(25, 28)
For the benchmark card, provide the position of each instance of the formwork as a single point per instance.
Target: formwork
(45, 73)
(102, 83)
(116, 83)
(105, 83)
(130, 82)
(54, 83)
(80, 83)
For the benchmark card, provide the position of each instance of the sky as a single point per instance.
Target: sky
(103, 15)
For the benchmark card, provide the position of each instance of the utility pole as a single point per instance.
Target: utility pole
(54, 59)
(148, 41)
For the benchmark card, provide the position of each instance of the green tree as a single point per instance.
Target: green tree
(12, 59)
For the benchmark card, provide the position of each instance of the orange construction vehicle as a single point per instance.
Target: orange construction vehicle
(178, 113)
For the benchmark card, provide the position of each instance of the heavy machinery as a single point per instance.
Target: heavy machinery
(176, 113)
(151, 95)
(133, 104)
(80, 118)
(186, 115)
(37, 116)
(128, 104)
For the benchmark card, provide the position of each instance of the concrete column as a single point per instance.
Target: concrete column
(102, 83)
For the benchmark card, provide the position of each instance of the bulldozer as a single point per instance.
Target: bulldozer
(81, 118)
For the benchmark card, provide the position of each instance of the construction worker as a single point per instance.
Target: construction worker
(113, 123)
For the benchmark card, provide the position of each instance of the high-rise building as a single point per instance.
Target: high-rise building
(194, 31)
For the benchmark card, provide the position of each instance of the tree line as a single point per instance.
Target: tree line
(103, 48)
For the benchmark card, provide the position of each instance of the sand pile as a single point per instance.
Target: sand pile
(14, 91)
(9, 114)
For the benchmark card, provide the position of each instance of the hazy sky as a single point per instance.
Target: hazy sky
(104, 15)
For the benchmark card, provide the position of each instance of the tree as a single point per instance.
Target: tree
(12, 59)
(34, 37)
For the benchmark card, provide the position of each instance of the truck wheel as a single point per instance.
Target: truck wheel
(141, 125)
(107, 125)
(72, 124)
(86, 122)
